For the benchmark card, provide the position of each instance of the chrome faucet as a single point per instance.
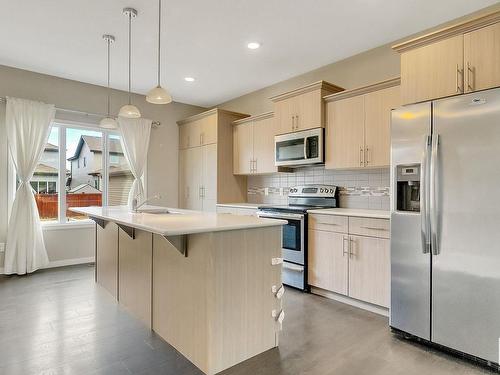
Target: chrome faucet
(136, 205)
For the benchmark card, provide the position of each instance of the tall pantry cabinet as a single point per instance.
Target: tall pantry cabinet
(205, 161)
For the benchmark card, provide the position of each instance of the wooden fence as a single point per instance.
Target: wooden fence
(47, 204)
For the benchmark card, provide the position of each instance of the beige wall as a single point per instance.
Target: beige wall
(67, 94)
(365, 68)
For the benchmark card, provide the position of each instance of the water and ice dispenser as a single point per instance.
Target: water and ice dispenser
(408, 188)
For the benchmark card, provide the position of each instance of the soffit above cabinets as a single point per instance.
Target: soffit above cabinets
(208, 40)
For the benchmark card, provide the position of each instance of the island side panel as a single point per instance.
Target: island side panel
(107, 257)
(135, 273)
(241, 322)
(214, 306)
(181, 291)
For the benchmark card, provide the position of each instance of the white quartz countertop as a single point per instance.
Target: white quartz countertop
(357, 212)
(240, 205)
(177, 222)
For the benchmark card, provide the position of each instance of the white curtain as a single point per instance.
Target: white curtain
(135, 143)
(28, 126)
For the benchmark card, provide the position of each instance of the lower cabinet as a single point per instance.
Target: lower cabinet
(329, 261)
(349, 264)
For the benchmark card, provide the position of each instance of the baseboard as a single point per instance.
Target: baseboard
(351, 301)
(64, 262)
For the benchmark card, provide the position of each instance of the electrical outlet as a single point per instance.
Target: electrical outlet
(282, 191)
(2, 247)
(266, 191)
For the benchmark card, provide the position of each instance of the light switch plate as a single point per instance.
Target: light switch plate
(2, 247)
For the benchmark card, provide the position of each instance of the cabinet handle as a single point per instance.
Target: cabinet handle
(344, 251)
(361, 156)
(457, 83)
(375, 228)
(187, 192)
(469, 71)
(366, 156)
(297, 122)
(201, 139)
(255, 166)
(351, 251)
(293, 122)
(251, 165)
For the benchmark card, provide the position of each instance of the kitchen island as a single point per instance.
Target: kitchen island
(209, 284)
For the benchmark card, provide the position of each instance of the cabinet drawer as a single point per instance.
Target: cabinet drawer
(364, 226)
(330, 223)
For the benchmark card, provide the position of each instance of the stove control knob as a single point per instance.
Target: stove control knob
(331, 191)
(291, 190)
(321, 190)
(294, 190)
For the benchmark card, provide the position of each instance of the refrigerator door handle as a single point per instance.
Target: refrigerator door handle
(433, 195)
(424, 198)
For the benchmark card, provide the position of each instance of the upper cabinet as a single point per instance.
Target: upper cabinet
(458, 59)
(358, 126)
(205, 161)
(302, 108)
(253, 145)
(482, 58)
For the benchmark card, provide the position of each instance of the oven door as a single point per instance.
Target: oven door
(293, 245)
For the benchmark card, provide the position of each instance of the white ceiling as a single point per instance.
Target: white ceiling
(207, 39)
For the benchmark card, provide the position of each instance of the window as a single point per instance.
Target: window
(87, 186)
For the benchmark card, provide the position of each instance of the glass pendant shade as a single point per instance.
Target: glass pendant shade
(108, 123)
(158, 95)
(129, 111)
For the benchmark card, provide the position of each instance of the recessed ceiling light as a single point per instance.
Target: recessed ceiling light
(253, 45)
(189, 79)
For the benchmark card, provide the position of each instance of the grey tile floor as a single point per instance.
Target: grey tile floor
(59, 321)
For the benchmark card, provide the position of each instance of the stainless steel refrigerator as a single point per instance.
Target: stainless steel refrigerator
(445, 222)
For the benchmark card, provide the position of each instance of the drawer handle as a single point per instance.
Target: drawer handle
(325, 223)
(279, 317)
(375, 228)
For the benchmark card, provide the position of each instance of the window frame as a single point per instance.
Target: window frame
(63, 125)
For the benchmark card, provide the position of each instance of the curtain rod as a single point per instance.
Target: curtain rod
(154, 124)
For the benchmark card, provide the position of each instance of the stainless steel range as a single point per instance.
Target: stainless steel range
(294, 243)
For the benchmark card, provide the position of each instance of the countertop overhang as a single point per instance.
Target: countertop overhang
(178, 222)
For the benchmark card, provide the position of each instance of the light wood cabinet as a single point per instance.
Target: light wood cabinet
(328, 261)
(253, 145)
(303, 108)
(205, 167)
(482, 58)
(457, 59)
(369, 269)
(107, 257)
(351, 260)
(358, 126)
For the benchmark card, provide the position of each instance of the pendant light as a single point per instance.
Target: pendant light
(108, 122)
(129, 110)
(159, 95)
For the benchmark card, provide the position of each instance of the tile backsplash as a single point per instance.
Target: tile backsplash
(357, 188)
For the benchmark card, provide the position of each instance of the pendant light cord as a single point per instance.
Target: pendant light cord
(129, 56)
(109, 43)
(159, 40)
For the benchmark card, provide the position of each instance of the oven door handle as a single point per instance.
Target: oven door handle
(293, 267)
(306, 149)
(268, 215)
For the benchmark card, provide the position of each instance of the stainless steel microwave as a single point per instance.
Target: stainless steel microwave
(299, 148)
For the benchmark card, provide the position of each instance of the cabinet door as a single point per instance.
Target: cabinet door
(208, 130)
(345, 133)
(369, 269)
(263, 145)
(193, 178)
(183, 136)
(209, 177)
(285, 112)
(378, 105)
(310, 106)
(432, 71)
(327, 261)
(183, 191)
(482, 58)
(243, 148)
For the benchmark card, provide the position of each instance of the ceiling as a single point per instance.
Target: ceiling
(206, 39)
